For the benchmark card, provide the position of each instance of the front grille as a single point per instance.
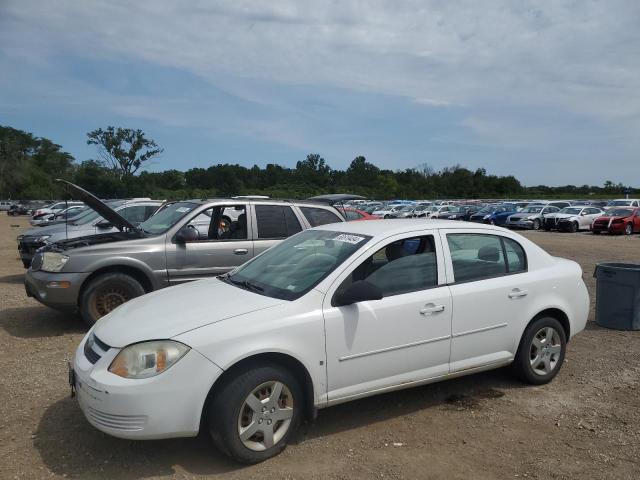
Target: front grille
(118, 422)
(36, 263)
(94, 349)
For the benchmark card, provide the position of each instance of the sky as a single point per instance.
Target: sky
(548, 91)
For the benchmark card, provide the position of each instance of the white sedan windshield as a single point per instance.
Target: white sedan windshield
(295, 266)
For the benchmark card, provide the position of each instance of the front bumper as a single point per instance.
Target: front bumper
(38, 285)
(165, 406)
(613, 228)
(528, 224)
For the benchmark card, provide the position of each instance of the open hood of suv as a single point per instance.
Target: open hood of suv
(98, 205)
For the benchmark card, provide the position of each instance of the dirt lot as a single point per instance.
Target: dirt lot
(585, 424)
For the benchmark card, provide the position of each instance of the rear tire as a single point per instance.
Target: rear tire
(541, 351)
(106, 292)
(268, 425)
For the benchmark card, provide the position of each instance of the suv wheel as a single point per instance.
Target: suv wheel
(255, 413)
(106, 292)
(541, 351)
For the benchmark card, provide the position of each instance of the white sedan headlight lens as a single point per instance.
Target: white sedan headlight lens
(486, 216)
(53, 261)
(147, 359)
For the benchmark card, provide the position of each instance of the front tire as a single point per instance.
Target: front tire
(255, 413)
(573, 228)
(536, 224)
(541, 351)
(107, 292)
(628, 229)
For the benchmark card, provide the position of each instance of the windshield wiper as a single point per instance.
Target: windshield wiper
(243, 284)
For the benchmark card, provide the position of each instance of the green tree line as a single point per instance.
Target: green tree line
(29, 164)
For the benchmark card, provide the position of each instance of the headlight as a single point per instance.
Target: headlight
(147, 359)
(41, 239)
(486, 216)
(19, 237)
(53, 261)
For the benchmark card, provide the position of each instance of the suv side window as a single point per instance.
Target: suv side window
(476, 256)
(403, 266)
(221, 223)
(319, 216)
(276, 221)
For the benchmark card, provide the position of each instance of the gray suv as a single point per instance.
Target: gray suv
(87, 223)
(183, 241)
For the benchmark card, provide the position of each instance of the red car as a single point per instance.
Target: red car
(354, 215)
(618, 220)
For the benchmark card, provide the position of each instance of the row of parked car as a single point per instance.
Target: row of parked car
(615, 216)
(316, 317)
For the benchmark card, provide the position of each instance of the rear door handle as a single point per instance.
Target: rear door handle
(430, 308)
(240, 251)
(517, 293)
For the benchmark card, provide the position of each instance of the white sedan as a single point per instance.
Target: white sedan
(332, 314)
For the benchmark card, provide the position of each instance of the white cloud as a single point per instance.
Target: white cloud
(576, 58)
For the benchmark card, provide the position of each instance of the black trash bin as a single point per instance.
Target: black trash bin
(618, 295)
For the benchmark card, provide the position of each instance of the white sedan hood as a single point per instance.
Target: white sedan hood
(171, 311)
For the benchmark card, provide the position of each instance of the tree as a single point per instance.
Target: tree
(125, 150)
(314, 170)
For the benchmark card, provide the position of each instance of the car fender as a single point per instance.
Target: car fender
(295, 329)
(157, 279)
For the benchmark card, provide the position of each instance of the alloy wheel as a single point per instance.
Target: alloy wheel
(628, 229)
(265, 416)
(545, 351)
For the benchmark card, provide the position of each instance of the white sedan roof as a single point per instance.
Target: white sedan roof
(387, 228)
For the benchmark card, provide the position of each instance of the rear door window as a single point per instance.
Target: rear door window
(477, 256)
(276, 221)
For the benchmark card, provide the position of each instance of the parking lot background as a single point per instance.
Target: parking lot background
(585, 424)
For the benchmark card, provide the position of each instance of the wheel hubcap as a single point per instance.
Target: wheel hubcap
(110, 298)
(545, 350)
(265, 416)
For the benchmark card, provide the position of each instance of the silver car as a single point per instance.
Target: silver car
(88, 223)
(531, 217)
(183, 241)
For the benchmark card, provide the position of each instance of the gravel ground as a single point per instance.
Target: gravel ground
(585, 424)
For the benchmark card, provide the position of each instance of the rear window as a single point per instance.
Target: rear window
(319, 216)
(478, 256)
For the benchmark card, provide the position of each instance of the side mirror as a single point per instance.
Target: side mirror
(187, 234)
(360, 291)
(104, 224)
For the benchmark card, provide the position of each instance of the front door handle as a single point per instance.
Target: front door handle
(517, 293)
(430, 308)
(240, 251)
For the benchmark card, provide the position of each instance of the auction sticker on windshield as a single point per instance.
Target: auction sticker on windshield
(352, 239)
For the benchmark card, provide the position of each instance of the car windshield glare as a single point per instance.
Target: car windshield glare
(531, 210)
(293, 267)
(166, 218)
